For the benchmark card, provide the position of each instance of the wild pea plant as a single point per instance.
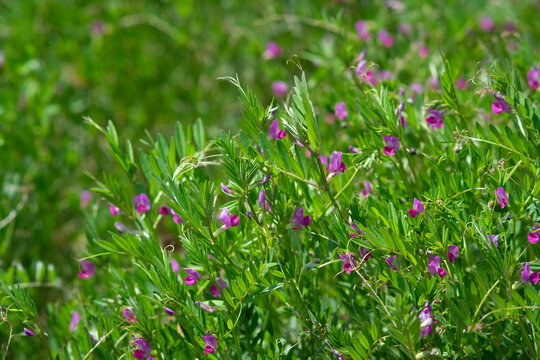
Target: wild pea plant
(410, 237)
(401, 226)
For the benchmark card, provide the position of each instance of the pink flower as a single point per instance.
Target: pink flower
(453, 252)
(533, 78)
(264, 203)
(143, 350)
(176, 218)
(528, 276)
(418, 208)
(534, 236)
(500, 105)
(461, 83)
(393, 262)
(274, 132)
(434, 266)
(86, 196)
(300, 220)
(75, 318)
(175, 266)
(143, 204)
(385, 39)
(417, 88)
(426, 320)
(433, 82)
(349, 262)
(404, 28)
(279, 88)
(169, 311)
(361, 30)
(128, 314)
(214, 291)
(341, 111)
(487, 24)
(495, 239)
(192, 278)
(502, 197)
(206, 307)
(392, 145)
(114, 209)
(423, 51)
(165, 210)
(228, 221)
(210, 343)
(336, 165)
(273, 50)
(87, 270)
(435, 119)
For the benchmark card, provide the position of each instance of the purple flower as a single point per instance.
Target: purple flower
(423, 51)
(228, 221)
(175, 266)
(502, 197)
(495, 239)
(487, 24)
(192, 278)
(426, 320)
(265, 179)
(273, 50)
(176, 218)
(418, 208)
(225, 189)
(98, 28)
(337, 354)
(385, 39)
(417, 88)
(114, 209)
(143, 349)
(214, 291)
(205, 306)
(210, 343)
(354, 150)
(300, 220)
(364, 253)
(85, 198)
(433, 82)
(165, 210)
(274, 132)
(404, 28)
(533, 78)
(453, 252)
(434, 266)
(361, 70)
(534, 236)
(264, 203)
(29, 332)
(75, 318)
(349, 262)
(435, 119)
(336, 165)
(461, 83)
(500, 105)
(361, 30)
(169, 311)
(143, 204)
(87, 270)
(340, 110)
(528, 276)
(279, 88)
(122, 229)
(128, 314)
(392, 145)
(393, 262)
